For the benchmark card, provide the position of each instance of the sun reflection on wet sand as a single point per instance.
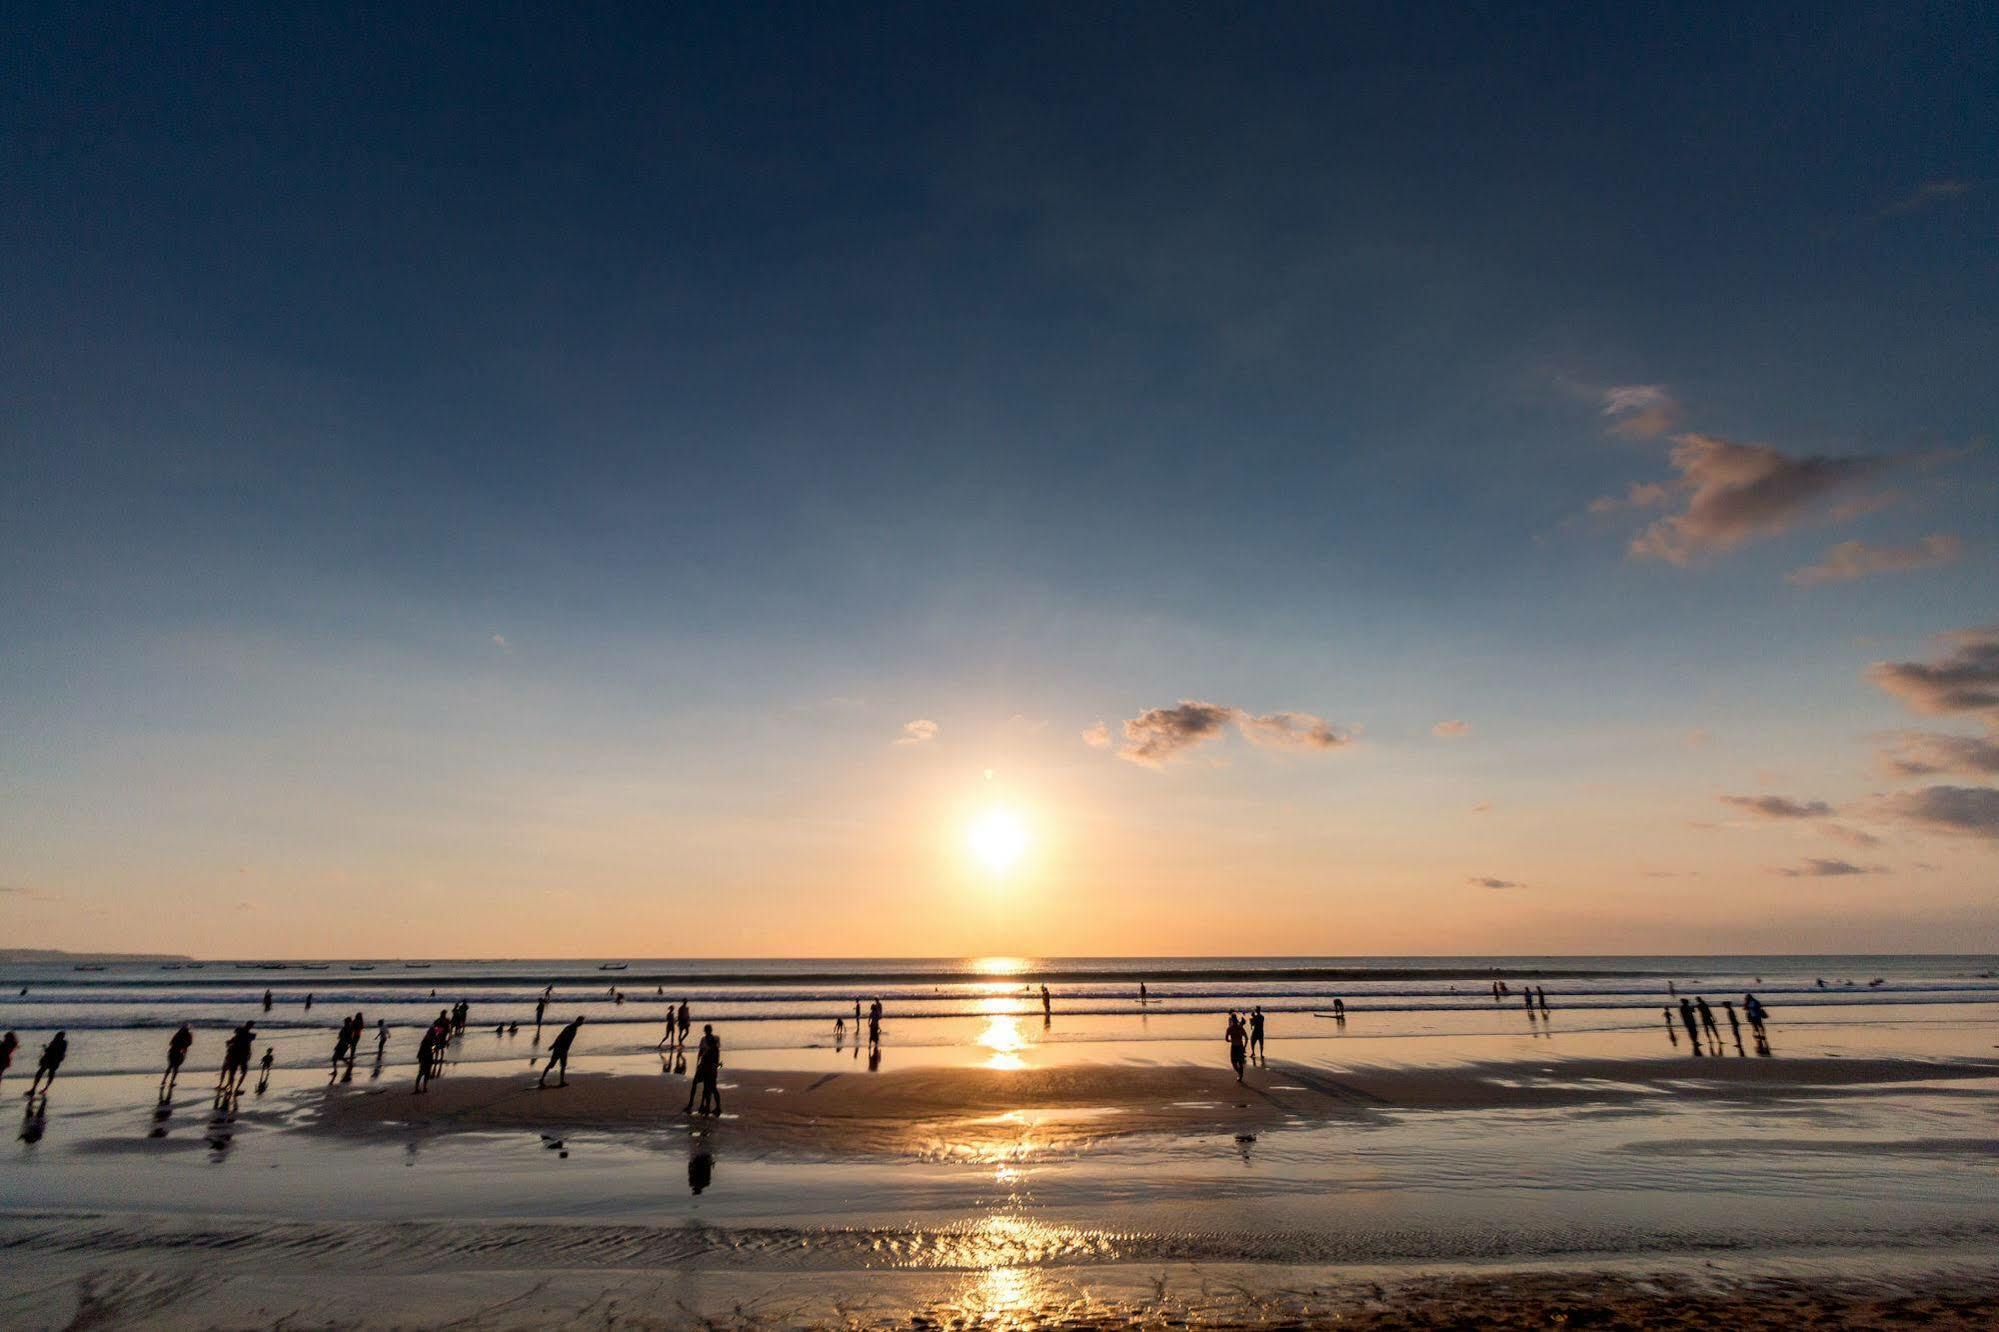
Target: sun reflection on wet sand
(1002, 1036)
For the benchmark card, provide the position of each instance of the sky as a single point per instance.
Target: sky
(1335, 480)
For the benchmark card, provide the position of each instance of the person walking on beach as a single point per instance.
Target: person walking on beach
(236, 1060)
(1712, 1032)
(342, 1044)
(308, 1002)
(264, 1069)
(1527, 998)
(540, 1007)
(1734, 1025)
(1238, 1043)
(707, 1068)
(177, 1046)
(8, 1044)
(1256, 1032)
(1691, 1023)
(1541, 994)
(558, 1053)
(52, 1056)
(381, 1038)
(685, 1020)
(1672, 1031)
(426, 1058)
(1752, 1008)
(267, 1001)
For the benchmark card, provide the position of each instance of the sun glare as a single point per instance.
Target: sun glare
(997, 839)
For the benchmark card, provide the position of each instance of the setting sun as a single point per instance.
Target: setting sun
(997, 839)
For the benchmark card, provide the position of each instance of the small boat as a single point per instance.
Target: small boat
(88, 966)
(359, 966)
(312, 966)
(417, 966)
(614, 966)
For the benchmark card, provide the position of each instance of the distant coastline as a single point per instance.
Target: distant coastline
(58, 955)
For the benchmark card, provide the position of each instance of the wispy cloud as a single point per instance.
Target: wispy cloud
(500, 642)
(1487, 881)
(919, 732)
(1971, 811)
(1857, 559)
(1778, 807)
(1839, 832)
(1927, 195)
(1158, 735)
(1641, 411)
(1927, 753)
(1734, 493)
(1966, 680)
(1097, 735)
(1451, 730)
(1816, 868)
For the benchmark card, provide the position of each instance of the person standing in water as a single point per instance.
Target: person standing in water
(707, 1070)
(52, 1056)
(1047, 1006)
(540, 1007)
(558, 1053)
(177, 1047)
(267, 1001)
(1141, 992)
(1672, 1031)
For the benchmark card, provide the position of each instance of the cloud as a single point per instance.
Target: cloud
(1851, 836)
(1450, 730)
(1829, 869)
(1927, 195)
(1482, 807)
(1856, 559)
(1779, 807)
(919, 732)
(1925, 753)
(1642, 495)
(1641, 411)
(1097, 736)
(1291, 730)
(1965, 681)
(1972, 811)
(1486, 881)
(1735, 493)
(1158, 735)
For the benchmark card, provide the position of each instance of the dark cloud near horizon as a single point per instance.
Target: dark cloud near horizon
(1964, 681)
(1487, 881)
(1929, 753)
(1971, 811)
(1817, 868)
(1779, 807)
(1736, 493)
(1158, 735)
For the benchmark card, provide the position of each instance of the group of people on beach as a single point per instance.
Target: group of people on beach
(1697, 1017)
(1245, 1038)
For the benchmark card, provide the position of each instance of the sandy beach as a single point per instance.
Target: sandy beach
(1427, 1163)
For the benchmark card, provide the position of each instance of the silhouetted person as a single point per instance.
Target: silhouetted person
(8, 1044)
(1527, 998)
(177, 1046)
(558, 1053)
(264, 1069)
(381, 1038)
(308, 1003)
(267, 1001)
(685, 1020)
(1708, 1027)
(1047, 1006)
(426, 1058)
(1734, 1025)
(1752, 1008)
(236, 1059)
(1542, 994)
(1238, 1045)
(1672, 1030)
(1256, 1031)
(1141, 992)
(1339, 1010)
(1691, 1023)
(707, 1068)
(540, 1007)
(52, 1056)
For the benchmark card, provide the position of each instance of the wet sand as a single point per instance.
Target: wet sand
(980, 1111)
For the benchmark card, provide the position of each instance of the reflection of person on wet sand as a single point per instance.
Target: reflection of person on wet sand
(52, 1056)
(558, 1053)
(700, 1170)
(176, 1055)
(707, 1069)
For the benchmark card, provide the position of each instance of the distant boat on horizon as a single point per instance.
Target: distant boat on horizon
(89, 966)
(613, 966)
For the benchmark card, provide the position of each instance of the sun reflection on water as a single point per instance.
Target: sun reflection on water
(1002, 1036)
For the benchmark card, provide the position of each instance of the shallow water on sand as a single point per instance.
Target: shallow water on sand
(1637, 1166)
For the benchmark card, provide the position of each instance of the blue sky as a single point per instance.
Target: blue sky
(507, 456)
